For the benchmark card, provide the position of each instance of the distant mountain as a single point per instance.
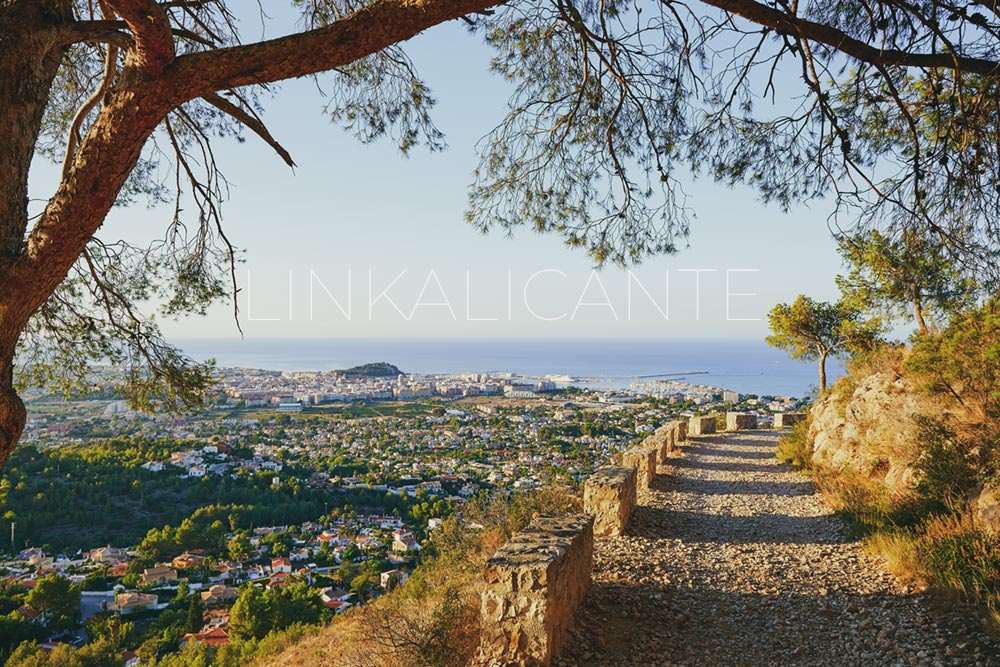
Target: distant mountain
(376, 370)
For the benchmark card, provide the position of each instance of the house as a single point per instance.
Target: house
(129, 603)
(109, 554)
(131, 659)
(403, 541)
(330, 594)
(337, 607)
(159, 575)
(281, 565)
(278, 580)
(186, 560)
(218, 594)
(213, 637)
(31, 615)
(392, 578)
(34, 553)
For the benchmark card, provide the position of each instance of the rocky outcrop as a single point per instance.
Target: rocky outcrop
(869, 427)
(740, 421)
(643, 459)
(986, 509)
(701, 425)
(786, 419)
(609, 495)
(534, 585)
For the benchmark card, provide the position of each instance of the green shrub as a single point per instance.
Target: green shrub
(967, 561)
(795, 447)
(946, 471)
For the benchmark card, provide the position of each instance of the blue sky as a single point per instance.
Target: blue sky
(365, 221)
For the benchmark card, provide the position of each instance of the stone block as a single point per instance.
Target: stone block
(786, 419)
(534, 585)
(643, 459)
(662, 443)
(701, 425)
(609, 495)
(740, 421)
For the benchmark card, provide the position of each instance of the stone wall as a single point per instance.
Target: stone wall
(786, 419)
(701, 425)
(609, 495)
(534, 585)
(643, 459)
(678, 429)
(662, 442)
(740, 421)
(681, 430)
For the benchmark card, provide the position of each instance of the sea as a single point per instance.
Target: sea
(744, 366)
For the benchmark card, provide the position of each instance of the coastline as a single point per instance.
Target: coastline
(742, 365)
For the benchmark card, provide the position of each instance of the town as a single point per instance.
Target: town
(311, 490)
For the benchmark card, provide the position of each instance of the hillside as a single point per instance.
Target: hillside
(731, 558)
(372, 370)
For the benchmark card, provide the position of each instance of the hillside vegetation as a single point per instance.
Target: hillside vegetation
(906, 446)
(373, 370)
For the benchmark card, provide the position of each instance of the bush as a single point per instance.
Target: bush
(795, 447)
(944, 464)
(960, 557)
(867, 504)
(963, 362)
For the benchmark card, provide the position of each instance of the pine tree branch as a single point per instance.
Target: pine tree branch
(154, 42)
(253, 123)
(357, 35)
(794, 26)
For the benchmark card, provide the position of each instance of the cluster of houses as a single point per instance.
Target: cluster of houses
(374, 536)
(289, 391)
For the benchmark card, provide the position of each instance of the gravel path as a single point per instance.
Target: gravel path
(732, 560)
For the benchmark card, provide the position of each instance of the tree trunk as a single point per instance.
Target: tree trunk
(918, 314)
(26, 76)
(822, 370)
(12, 413)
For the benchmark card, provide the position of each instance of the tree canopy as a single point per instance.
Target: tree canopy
(889, 107)
(913, 275)
(816, 330)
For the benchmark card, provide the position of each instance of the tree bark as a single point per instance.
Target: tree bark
(822, 370)
(27, 70)
(26, 75)
(12, 413)
(918, 314)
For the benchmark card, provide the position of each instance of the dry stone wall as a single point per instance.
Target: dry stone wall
(534, 585)
(663, 443)
(701, 425)
(609, 495)
(786, 419)
(740, 421)
(643, 459)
